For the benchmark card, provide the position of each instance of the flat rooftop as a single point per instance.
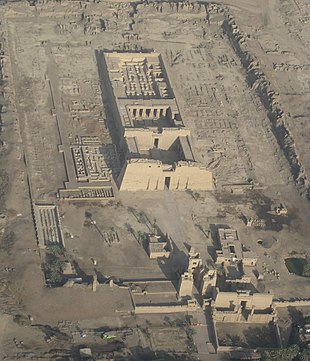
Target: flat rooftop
(155, 287)
(230, 243)
(138, 75)
(140, 86)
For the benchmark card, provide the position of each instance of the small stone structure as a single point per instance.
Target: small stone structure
(208, 283)
(159, 246)
(194, 260)
(86, 354)
(90, 169)
(186, 285)
(110, 237)
(232, 250)
(243, 306)
(193, 276)
(68, 270)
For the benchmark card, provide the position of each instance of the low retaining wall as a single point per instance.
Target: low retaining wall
(163, 309)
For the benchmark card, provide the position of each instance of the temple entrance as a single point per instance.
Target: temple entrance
(156, 141)
(167, 182)
(243, 305)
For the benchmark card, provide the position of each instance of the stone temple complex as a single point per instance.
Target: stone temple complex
(154, 180)
(155, 145)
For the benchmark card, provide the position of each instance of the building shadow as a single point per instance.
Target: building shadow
(80, 273)
(214, 232)
(175, 265)
(216, 245)
(100, 277)
(264, 336)
(296, 316)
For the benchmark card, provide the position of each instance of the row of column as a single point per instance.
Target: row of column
(148, 113)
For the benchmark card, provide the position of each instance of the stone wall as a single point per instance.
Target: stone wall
(166, 137)
(230, 317)
(258, 300)
(142, 175)
(173, 308)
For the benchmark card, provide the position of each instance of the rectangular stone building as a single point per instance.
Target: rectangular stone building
(156, 147)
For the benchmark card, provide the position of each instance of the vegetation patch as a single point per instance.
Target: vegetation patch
(292, 353)
(247, 336)
(55, 260)
(7, 242)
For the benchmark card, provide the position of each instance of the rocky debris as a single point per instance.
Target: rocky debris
(269, 98)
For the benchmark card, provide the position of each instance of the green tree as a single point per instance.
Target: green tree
(129, 228)
(131, 210)
(58, 265)
(154, 225)
(142, 218)
(231, 340)
(141, 236)
(227, 341)
(287, 354)
(307, 319)
(55, 277)
(88, 215)
(305, 355)
(55, 250)
(306, 270)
